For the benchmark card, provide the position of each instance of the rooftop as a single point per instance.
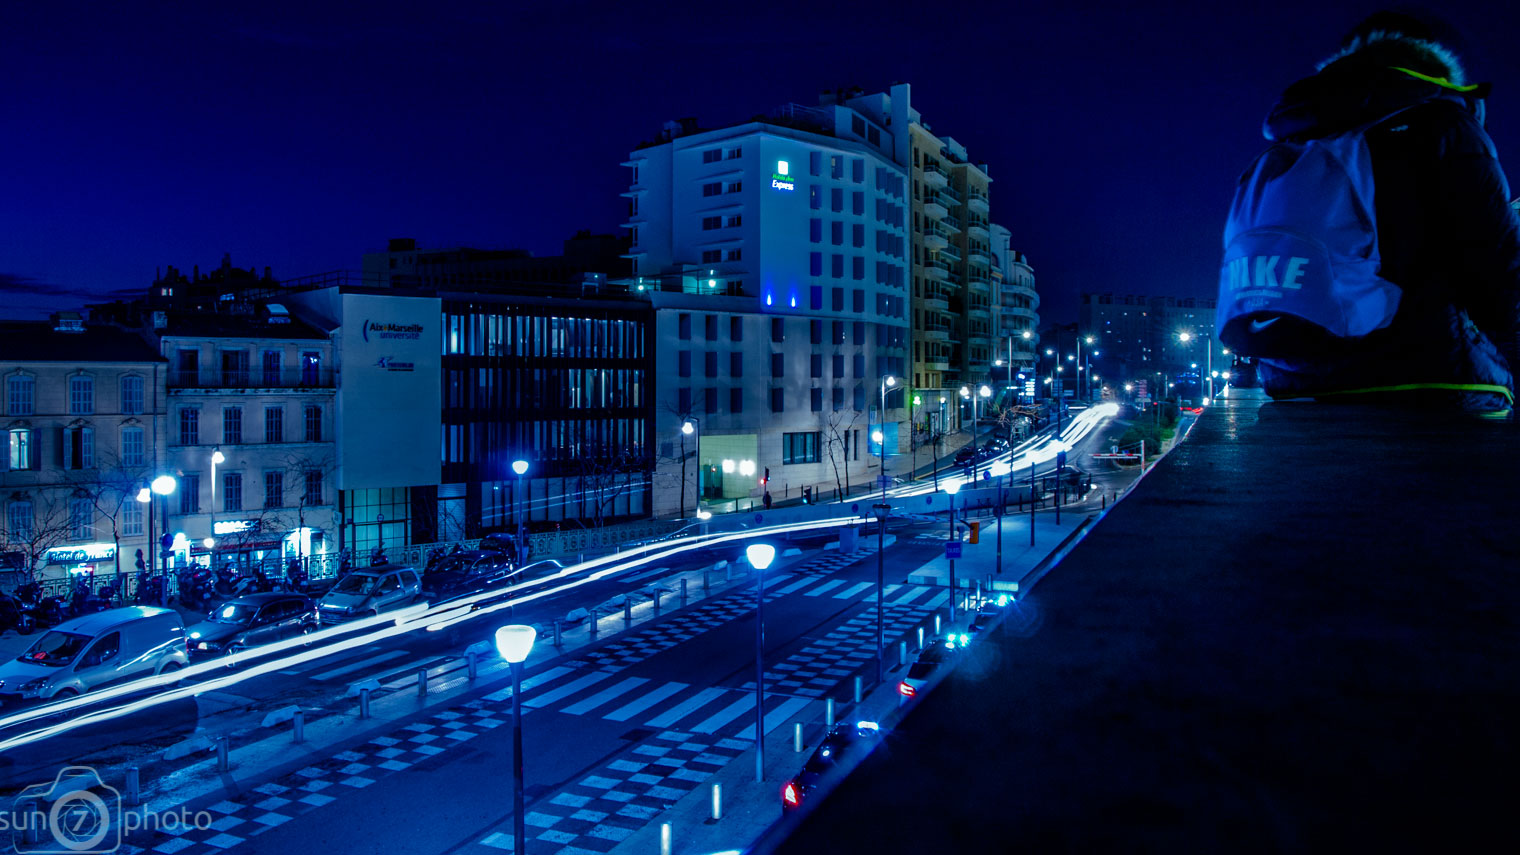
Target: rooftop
(1298, 632)
(41, 341)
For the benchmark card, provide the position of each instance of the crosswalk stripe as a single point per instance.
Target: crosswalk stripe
(679, 711)
(535, 680)
(362, 663)
(824, 588)
(910, 595)
(633, 708)
(726, 715)
(850, 592)
(408, 673)
(569, 688)
(778, 716)
(605, 695)
(939, 599)
(797, 585)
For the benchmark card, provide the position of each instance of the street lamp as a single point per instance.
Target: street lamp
(952, 487)
(217, 457)
(163, 485)
(691, 427)
(1208, 341)
(760, 556)
(514, 642)
(882, 510)
(887, 382)
(521, 468)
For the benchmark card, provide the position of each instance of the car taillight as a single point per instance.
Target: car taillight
(906, 690)
(790, 795)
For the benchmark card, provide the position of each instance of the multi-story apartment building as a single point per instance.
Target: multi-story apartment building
(1018, 318)
(84, 434)
(251, 440)
(775, 255)
(1139, 337)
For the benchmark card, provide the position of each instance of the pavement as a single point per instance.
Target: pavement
(1296, 633)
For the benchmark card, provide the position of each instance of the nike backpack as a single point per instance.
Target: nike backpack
(1300, 274)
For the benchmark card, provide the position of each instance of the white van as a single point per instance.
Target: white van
(96, 650)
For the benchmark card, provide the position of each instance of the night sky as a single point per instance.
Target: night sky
(300, 136)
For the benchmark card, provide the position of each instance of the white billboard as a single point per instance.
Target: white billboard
(389, 401)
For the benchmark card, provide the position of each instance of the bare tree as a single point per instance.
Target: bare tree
(606, 476)
(681, 417)
(109, 488)
(49, 526)
(836, 428)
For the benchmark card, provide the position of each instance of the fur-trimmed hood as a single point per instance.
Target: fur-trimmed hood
(1374, 75)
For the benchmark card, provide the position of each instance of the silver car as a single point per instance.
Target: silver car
(369, 592)
(96, 650)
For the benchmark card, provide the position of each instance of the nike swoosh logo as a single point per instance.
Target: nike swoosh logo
(1258, 326)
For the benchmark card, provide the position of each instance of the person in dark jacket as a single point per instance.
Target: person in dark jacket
(1446, 231)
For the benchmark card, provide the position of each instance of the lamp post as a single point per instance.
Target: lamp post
(514, 642)
(1081, 369)
(691, 427)
(145, 495)
(952, 487)
(887, 382)
(913, 434)
(164, 485)
(760, 556)
(882, 510)
(217, 457)
(521, 468)
(1186, 337)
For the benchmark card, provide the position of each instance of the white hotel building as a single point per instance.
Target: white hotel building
(775, 253)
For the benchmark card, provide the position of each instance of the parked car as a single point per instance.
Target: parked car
(846, 742)
(966, 456)
(937, 654)
(250, 621)
(535, 571)
(464, 574)
(96, 650)
(987, 614)
(369, 591)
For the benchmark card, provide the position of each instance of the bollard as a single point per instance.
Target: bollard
(558, 635)
(683, 592)
(664, 838)
(717, 802)
(828, 712)
(593, 627)
(727, 573)
(627, 613)
(298, 726)
(704, 581)
(363, 703)
(422, 683)
(473, 668)
(857, 689)
(797, 737)
(657, 593)
(134, 786)
(920, 638)
(222, 763)
(902, 653)
(936, 619)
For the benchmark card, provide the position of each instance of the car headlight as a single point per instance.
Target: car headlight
(34, 685)
(203, 646)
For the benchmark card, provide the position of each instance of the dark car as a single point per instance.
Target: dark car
(464, 574)
(502, 543)
(966, 456)
(988, 614)
(846, 742)
(929, 661)
(251, 620)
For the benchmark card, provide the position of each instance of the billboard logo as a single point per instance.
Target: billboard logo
(385, 330)
(391, 363)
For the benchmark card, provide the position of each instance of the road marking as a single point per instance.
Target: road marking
(606, 695)
(535, 680)
(362, 663)
(677, 712)
(911, 595)
(939, 599)
(569, 688)
(825, 587)
(633, 708)
(408, 673)
(797, 585)
(850, 592)
(778, 716)
(726, 715)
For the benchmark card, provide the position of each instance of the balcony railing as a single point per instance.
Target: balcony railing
(950, 222)
(253, 378)
(950, 252)
(934, 175)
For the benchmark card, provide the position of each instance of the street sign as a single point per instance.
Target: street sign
(953, 550)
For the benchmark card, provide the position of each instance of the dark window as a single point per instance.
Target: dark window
(858, 235)
(816, 400)
(189, 491)
(815, 230)
(815, 331)
(838, 266)
(778, 402)
(313, 493)
(838, 337)
(272, 359)
(736, 364)
(815, 363)
(815, 296)
(858, 203)
(736, 399)
(815, 163)
(710, 400)
(838, 365)
(710, 326)
(710, 363)
(232, 425)
(683, 326)
(683, 363)
(836, 233)
(683, 399)
(232, 492)
(712, 189)
(274, 424)
(799, 448)
(858, 301)
(736, 328)
(815, 197)
(858, 267)
(836, 200)
(838, 398)
(778, 330)
(313, 419)
(778, 365)
(189, 426)
(860, 365)
(274, 489)
(815, 263)
(838, 299)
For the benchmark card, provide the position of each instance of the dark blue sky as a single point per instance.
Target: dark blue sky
(302, 135)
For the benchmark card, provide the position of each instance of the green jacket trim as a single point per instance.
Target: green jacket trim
(1490, 388)
(1439, 81)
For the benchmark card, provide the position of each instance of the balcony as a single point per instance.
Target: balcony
(977, 228)
(979, 284)
(933, 207)
(950, 224)
(1018, 312)
(951, 254)
(980, 310)
(936, 332)
(935, 237)
(949, 198)
(937, 363)
(317, 377)
(934, 176)
(977, 202)
(936, 300)
(979, 257)
(936, 268)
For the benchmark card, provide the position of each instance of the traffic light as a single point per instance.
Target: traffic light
(766, 478)
(976, 531)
